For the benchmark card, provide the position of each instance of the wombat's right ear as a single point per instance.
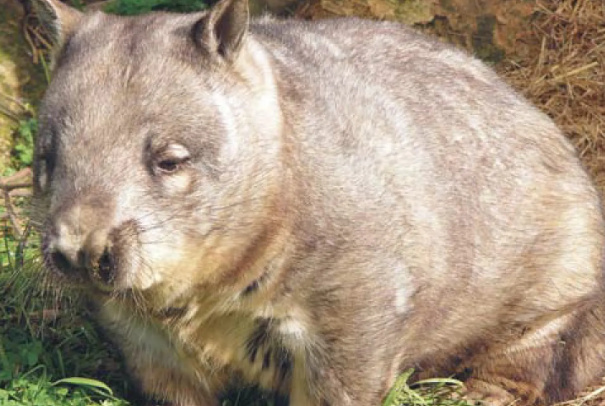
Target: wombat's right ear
(222, 30)
(58, 19)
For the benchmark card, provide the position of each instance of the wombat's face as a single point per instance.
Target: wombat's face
(148, 171)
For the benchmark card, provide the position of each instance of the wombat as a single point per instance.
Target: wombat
(314, 207)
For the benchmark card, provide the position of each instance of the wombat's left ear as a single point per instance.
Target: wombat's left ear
(58, 19)
(222, 30)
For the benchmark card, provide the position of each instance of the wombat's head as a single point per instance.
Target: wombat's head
(157, 159)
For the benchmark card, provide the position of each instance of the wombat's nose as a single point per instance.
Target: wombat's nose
(73, 252)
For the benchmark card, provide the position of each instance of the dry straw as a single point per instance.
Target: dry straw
(565, 73)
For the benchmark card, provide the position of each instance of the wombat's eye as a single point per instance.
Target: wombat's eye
(172, 159)
(170, 165)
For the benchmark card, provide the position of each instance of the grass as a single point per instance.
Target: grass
(45, 348)
(24, 147)
(428, 392)
(134, 7)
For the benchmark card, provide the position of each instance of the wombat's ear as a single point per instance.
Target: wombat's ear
(222, 30)
(58, 19)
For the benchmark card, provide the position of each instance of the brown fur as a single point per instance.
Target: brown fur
(314, 207)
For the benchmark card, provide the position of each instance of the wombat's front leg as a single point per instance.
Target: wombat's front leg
(180, 390)
(332, 393)
(338, 378)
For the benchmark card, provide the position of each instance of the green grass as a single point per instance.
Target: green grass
(428, 392)
(23, 150)
(134, 7)
(45, 345)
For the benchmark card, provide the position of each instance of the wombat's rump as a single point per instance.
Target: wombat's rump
(314, 207)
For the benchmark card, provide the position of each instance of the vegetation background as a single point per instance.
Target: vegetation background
(51, 354)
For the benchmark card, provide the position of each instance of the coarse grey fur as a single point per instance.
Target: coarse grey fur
(314, 207)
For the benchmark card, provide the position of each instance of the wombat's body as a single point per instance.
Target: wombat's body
(315, 207)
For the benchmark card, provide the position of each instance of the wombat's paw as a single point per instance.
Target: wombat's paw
(486, 394)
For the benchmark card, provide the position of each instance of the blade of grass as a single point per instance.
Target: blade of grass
(87, 382)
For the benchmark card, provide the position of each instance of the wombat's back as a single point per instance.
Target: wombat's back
(388, 122)
(422, 156)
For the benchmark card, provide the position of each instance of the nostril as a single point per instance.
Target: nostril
(61, 262)
(106, 267)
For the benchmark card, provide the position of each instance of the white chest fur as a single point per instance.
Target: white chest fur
(262, 350)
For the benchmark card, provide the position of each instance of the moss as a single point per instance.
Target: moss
(414, 11)
(19, 78)
(483, 40)
(448, 6)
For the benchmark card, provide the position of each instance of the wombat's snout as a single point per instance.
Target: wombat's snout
(93, 259)
(79, 247)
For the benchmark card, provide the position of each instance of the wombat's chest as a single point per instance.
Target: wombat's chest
(258, 350)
